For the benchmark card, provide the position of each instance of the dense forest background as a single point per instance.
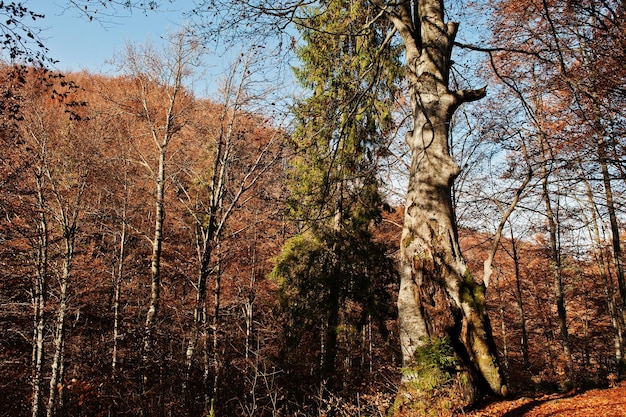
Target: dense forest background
(168, 254)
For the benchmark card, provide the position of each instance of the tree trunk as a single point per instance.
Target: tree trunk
(155, 262)
(503, 331)
(438, 296)
(59, 335)
(556, 268)
(605, 275)
(39, 302)
(199, 315)
(615, 234)
(520, 303)
(215, 326)
(117, 284)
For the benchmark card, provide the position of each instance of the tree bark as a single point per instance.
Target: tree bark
(520, 303)
(59, 335)
(39, 300)
(605, 274)
(155, 262)
(199, 315)
(556, 268)
(438, 296)
(117, 286)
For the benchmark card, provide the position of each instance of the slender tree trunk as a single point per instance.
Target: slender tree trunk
(249, 303)
(555, 263)
(39, 302)
(437, 295)
(605, 275)
(117, 286)
(215, 326)
(206, 237)
(59, 335)
(519, 298)
(147, 355)
(199, 315)
(206, 362)
(503, 331)
(155, 267)
(615, 233)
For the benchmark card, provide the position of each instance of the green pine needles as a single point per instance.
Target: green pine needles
(341, 134)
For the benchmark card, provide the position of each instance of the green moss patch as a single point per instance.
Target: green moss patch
(434, 384)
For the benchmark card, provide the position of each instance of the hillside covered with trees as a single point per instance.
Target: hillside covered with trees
(166, 254)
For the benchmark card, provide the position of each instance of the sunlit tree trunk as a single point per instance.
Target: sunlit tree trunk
(155, 261)
(117, 286)
(438, 295)
(39, 299)
(59, 334)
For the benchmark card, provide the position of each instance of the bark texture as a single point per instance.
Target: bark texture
(438, 297)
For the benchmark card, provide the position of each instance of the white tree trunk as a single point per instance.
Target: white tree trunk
(59, 335)
(39, 303)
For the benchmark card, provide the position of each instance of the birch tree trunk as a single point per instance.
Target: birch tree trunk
(155, 262)
(438, 296)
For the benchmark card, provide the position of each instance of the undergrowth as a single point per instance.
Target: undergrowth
(434, 384)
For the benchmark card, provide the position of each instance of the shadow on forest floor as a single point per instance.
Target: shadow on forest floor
(525, 408)
(609, 402)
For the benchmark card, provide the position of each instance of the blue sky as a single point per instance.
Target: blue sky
(78, 43)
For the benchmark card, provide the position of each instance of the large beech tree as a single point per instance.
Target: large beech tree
(437, 295)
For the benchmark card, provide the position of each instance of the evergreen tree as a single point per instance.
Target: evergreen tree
(341, 134)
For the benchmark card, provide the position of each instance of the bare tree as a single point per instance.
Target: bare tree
(161, 102)
(227, 183)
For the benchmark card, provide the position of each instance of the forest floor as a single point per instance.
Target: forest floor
(609, 402)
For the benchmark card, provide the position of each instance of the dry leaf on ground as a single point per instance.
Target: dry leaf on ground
(593, 403)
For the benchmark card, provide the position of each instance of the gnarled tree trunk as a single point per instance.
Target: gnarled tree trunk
(438, 297)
